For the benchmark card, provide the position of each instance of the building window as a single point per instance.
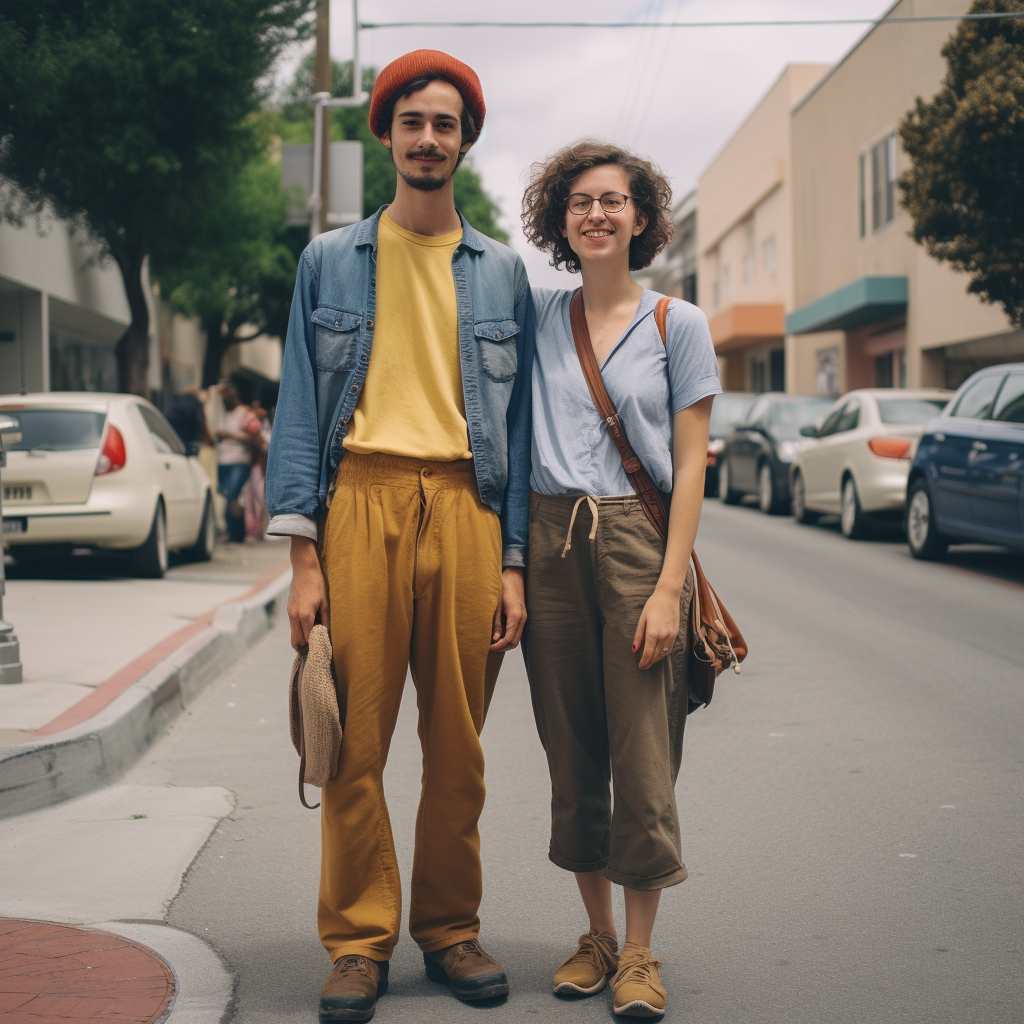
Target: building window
(827, 379)
(81, 364)
(777, 369)
(716, 298)
(883, 182)
(862, 194)
(726, 283)
(748, 258)
(769, 256)
(690, 289)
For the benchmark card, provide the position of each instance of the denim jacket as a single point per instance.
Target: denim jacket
(327, 354)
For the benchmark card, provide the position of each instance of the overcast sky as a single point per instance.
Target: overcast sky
(675, 95)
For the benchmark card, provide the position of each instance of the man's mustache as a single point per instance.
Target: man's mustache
(430, 154)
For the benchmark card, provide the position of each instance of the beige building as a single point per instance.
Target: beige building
(871, 307)
(744, 240)
(674, 270)
(62, 313)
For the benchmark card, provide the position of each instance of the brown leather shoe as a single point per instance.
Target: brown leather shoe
(468, 971)
(352, 989)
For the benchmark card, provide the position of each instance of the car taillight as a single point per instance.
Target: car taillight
(113, 456)
(890, 447)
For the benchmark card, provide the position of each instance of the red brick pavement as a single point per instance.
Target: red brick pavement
(51, 974)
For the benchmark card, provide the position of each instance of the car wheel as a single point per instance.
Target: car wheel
(767, 495)
(801, 513)
(202, 550)
(851, 518)
(151, 559)
(725, 491)
(923, 535)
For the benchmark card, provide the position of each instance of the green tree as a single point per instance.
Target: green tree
(236, 270)
(964, 188)
(379, 175)
(124, 118)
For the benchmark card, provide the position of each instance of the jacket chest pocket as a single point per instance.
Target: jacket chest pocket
(337, 338)
(497, 341)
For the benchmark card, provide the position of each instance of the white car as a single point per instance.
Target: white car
(860, 459)
(104, 471)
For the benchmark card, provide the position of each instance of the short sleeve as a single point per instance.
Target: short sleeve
(692, 365)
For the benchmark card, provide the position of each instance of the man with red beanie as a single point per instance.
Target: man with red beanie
(399, 465)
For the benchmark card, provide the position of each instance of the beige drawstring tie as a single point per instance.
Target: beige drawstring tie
(592, 502)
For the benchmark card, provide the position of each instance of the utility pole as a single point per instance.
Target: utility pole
(323, 83)
(324, 101)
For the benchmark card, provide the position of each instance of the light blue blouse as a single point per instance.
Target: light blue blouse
(648, 382)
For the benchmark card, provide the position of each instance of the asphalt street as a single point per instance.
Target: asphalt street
(851, 805)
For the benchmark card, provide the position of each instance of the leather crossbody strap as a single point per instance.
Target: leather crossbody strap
(640, 480)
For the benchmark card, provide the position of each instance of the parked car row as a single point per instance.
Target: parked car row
(103, 471)
(949, 466)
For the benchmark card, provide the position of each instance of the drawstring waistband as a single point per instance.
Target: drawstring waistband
(592, 502)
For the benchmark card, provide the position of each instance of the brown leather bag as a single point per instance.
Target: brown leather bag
(715, 641)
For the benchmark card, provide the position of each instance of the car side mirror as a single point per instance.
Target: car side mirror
(809, 431)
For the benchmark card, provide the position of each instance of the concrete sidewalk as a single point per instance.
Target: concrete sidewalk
(109, 660)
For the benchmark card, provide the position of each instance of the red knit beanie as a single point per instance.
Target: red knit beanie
(423, 62)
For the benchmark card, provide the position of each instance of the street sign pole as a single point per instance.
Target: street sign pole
(10, 649)
(321, 138)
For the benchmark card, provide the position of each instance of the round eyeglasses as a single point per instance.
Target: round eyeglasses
(611, 202)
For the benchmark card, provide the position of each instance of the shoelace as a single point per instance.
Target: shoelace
(593, 952)
(637, 968)
(464, 949)
(348, 964)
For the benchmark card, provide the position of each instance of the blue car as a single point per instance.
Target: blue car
(967, 480)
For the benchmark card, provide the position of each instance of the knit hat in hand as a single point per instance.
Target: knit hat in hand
(424, 62)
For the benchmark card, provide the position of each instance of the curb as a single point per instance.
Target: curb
(205, 982)
(99, 750)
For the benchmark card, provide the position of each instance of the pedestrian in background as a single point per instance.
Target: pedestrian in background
(234, 458)
(401, 444)
(254, 497)
(186, 414)
(606, 596)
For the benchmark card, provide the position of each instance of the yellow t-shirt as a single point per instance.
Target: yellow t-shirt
(412, 402)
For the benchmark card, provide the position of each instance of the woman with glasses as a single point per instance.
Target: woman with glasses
(607, 598)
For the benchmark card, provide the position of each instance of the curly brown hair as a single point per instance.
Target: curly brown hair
(551, 182)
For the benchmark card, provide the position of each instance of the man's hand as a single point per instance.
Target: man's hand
(658, 628)
(510, 615)
(307, 598)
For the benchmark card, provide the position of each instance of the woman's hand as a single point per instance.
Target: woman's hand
(658, 627)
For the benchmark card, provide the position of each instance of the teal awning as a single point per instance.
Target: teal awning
(867, 300)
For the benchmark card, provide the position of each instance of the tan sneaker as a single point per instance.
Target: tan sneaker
(637, 984)
(587, 970)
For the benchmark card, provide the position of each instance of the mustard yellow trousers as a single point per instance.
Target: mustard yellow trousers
(412, 561)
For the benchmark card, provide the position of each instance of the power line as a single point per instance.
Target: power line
(985, 16)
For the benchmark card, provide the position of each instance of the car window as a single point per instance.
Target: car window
(799, 412)
(728, 409)
(57, 430)
(167, 441)
(758, 412)
(1010, 406)
(976, 402)
(910, 410)
(850, 417)
(830, 424)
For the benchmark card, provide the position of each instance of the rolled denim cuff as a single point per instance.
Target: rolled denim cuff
(291, 524)
(513, 557)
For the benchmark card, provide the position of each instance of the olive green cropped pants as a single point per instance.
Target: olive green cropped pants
(613, 734)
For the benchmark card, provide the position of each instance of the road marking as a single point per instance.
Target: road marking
(908, 854)
(949, 807)
(776, 734)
